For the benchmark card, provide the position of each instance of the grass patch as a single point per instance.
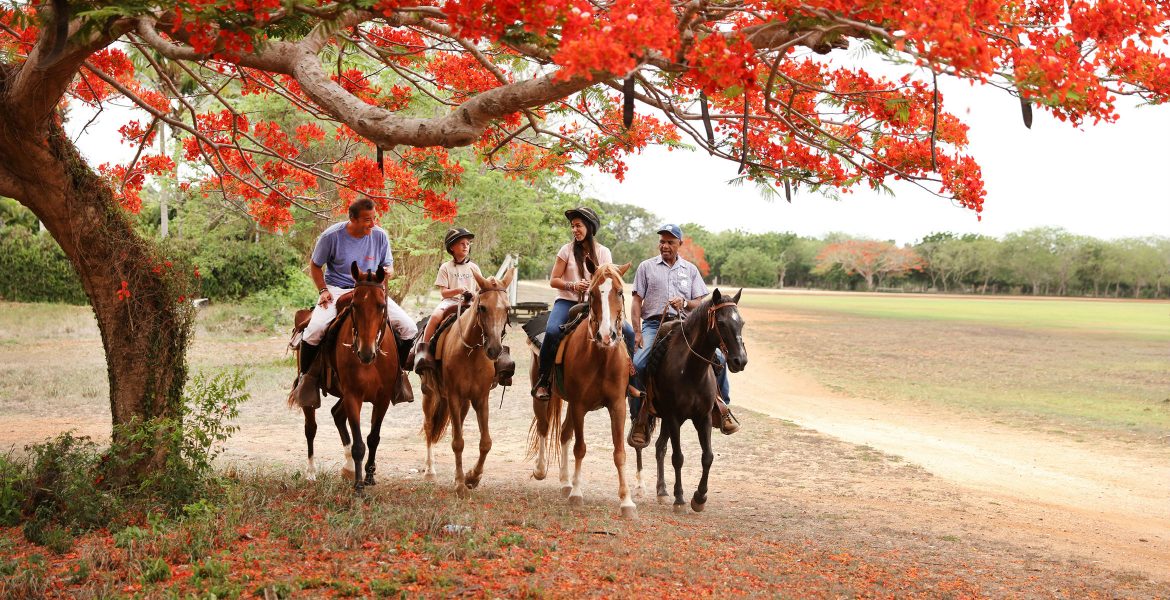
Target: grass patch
(1072, 378)
(1140, 320)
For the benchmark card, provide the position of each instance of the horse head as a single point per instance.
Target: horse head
(727, 324)
(491, 310)
(607, 303)
(368, 312)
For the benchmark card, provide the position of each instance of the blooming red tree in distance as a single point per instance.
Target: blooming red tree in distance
(528, 85)
(692, 251)
(871, 260)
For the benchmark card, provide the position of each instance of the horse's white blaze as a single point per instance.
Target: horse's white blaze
(311, 474)
(606, 326)
(348, 451)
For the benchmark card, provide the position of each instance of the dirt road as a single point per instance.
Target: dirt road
(1103, 499)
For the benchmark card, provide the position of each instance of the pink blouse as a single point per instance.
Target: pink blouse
(571, 274)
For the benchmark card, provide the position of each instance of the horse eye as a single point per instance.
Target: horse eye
(482, 309)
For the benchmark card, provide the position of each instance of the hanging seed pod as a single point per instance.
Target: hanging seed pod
(628, 102)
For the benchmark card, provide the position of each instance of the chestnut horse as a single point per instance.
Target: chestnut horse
(466, 351)
(596, 372)
(681, 385)
(366, 362)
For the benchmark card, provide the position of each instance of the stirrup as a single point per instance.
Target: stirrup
(639, 436)
(545, 385)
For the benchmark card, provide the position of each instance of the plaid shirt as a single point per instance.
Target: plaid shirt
(657, 282)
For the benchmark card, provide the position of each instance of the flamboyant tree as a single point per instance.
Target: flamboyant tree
(529, 85)
(873, 261)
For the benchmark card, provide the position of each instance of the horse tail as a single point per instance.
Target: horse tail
(436, 414)
(553, 442)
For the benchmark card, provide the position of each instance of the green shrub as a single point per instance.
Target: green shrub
(155, 570)
(13, 488)
(33, 268)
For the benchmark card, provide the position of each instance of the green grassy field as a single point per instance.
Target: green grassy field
(1070, 366)
(1142, 320)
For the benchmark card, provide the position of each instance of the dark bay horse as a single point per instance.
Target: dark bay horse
(466, 373)
(681, 385)
(366, 362)
(596, 371)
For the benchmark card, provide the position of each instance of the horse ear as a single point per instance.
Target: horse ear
(737, 294)
(622, 269)
(508, 277)
(716, 297)
(381, 273)
(353, 270)
(483, 283)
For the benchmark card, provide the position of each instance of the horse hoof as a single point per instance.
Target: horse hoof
(346, 473)
(359, 491)
(471, 483)
(698, 506)
(663, 498)
(629, 512)
(369, 480)
(566, 490)
(680, 509)
(429, 476)
(639, 492)
(461, 490)
(311, 476)
(539, 475)
(576, 500)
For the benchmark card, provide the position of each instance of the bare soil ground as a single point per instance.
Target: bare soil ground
(1010, 512)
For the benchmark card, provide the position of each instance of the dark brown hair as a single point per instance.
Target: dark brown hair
(358, 206)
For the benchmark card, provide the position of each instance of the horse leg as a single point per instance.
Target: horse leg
(358, 448)
(577, 493)
(703, 427)
(617, 426)
(310, 434)
(338, 412)
(639, 488)
(566, 436)
(485, 441)
(660, 458)
(374, 437)
(457, 416)
(676, 459)
(540, 470)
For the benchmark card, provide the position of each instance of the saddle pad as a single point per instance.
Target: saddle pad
(534, 328)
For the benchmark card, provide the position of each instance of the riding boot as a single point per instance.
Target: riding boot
(405, 354)
(424, 361)
(722, 418)
(306, 391)
(642, 428)
(542, 390)
(505, 367)
(402, 391)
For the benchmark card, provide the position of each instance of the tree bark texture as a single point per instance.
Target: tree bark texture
(145, 334)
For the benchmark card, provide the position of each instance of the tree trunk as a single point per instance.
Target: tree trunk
(144, 335)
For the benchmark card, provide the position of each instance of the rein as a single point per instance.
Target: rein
(478, 321)
(353, 319)
(710, 325)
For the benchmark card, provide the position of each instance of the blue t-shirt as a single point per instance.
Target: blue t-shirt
(336, 249)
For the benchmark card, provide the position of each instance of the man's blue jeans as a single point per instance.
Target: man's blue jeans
(642, 357)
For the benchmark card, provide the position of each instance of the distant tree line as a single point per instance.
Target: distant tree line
(525, 217)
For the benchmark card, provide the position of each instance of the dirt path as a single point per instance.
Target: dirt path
(1105, 500)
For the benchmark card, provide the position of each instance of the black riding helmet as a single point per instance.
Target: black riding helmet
(454, 235)
(587, 215)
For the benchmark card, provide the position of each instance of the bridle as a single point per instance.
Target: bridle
(710, 325)
(478, 321)
(353, 317)
(595, 334)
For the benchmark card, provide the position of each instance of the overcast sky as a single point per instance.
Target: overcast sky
(1107, 181)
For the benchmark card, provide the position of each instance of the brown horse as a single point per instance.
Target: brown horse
(596, 371)
(366, 362)
(681, 385)
(467, 351)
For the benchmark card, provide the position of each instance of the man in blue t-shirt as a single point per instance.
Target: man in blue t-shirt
(357, 240)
